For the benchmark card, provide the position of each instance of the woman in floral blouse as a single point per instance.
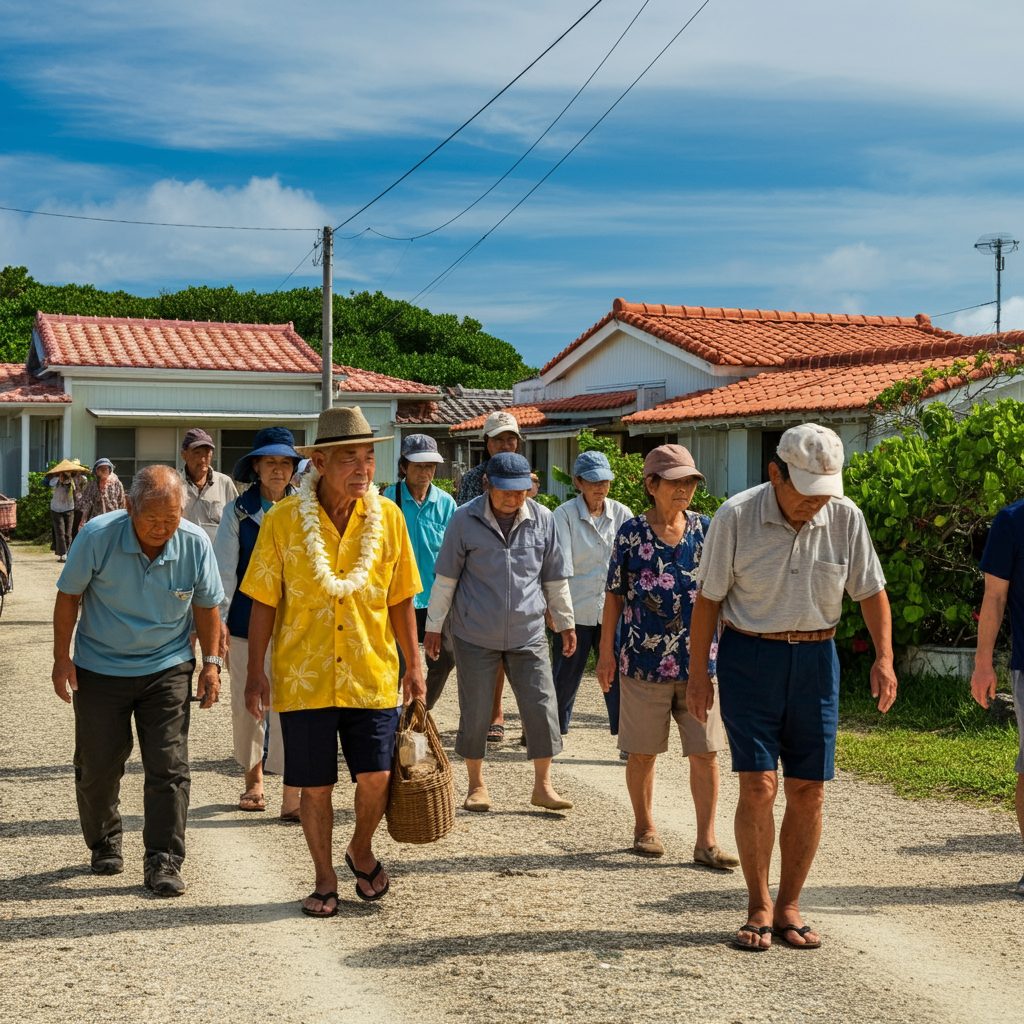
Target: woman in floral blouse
(650, 594)
(104, 493)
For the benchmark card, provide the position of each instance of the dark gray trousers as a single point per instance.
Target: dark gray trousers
(104, 706)
(437, 671)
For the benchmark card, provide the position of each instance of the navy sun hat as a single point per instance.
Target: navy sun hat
(508, 471)
(592, 467)
(420, 448)
(268, 441)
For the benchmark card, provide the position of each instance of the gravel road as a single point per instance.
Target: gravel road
(517, 916)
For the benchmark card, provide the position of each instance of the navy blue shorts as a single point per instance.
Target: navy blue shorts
(780, 701)
(311, 743)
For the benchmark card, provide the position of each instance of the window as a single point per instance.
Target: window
(118, 445)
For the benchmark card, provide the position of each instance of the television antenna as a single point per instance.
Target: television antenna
(998, 245)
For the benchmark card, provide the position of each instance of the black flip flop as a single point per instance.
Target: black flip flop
(368, 876)
(757, 930)
(323, 897)
(782, 931)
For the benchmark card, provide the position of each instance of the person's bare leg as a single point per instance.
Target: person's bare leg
(704, 790)
(290, 797)
(544, 794)
(370, 801)
(477, 787)
(318, 828)
(497, 711)
(1020, 804)
(755, 839)
(798, 843)
(640, 786)
(254, 782)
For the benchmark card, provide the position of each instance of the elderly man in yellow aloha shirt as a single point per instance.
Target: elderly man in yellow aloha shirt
(332, 578)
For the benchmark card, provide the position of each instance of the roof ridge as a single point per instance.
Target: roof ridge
(83, 318)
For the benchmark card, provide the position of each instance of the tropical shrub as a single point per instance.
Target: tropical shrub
(34, 510)
(929, 496)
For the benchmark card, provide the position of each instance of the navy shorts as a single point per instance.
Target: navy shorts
(311, 743)
(780, 701)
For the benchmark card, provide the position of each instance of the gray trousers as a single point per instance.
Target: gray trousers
(528, 670)
(104, 706)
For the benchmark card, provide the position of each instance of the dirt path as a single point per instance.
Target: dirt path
(517, 916)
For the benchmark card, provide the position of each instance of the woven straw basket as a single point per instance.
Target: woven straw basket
(421, 804)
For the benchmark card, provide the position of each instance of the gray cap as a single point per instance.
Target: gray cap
(420, 448)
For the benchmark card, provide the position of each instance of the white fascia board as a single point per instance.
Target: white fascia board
(389, 396)
(177, 414)
(562, 367)
(197, 377)
(773, 422)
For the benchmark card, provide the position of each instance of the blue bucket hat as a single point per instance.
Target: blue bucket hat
(508, 471)
(592, 467)
(268, 441)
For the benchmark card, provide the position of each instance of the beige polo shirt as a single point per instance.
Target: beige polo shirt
(771, 578)
(205, 507)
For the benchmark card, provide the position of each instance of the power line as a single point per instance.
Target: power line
(451, 266)
(963, 309)
(536, 142)
(444, 142)
(146, 223)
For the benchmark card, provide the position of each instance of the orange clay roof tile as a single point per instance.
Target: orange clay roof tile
(18, 386)
(535, 415)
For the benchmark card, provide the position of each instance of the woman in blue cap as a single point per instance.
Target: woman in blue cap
(268, 469)
(586, 526)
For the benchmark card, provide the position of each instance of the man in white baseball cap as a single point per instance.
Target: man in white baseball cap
(777, 560)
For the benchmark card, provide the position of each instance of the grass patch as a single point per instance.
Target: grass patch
(936, 741)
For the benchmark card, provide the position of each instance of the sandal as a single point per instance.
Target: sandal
(495, 733)
(368, 876)
(756, 947)
(782, 932)
(323, 897)
(289, 817)
(252, 802)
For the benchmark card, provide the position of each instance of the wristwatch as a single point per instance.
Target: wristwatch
(212, 659)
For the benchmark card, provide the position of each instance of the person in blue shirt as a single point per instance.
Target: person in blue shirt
(428, 510)
(1003, 566)
(140, 578)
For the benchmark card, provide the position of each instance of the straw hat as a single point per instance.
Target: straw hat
(344, 425)
(67, 466)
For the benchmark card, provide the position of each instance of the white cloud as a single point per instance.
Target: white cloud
(195, 74)
(983, 321)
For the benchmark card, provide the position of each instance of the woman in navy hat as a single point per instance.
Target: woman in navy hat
(268, 469)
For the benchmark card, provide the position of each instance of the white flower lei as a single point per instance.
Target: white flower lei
(373, 531)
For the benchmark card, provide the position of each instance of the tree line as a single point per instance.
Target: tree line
(371, 330)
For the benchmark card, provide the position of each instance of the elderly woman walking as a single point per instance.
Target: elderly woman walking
(104, 493)
(586, 526)
(499, 570)
(268, 470)
(650, 595)
(66, 479)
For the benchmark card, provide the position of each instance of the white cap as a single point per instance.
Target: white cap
(814, 455)
(499, 423)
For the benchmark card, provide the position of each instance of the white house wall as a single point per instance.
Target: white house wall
(623, 361)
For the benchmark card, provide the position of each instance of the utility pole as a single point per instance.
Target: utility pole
(998, 245)
(327, 332)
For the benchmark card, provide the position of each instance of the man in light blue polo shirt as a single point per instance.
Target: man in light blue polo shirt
(428, 510)
(140, 579)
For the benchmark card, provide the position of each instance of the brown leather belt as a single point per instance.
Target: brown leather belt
(793, 636)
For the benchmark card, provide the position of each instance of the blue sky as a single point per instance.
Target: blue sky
(792, 155)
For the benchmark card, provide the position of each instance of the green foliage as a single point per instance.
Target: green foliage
(446, 484)
(929, 497)
(628, 485)
(548, 500)
(34, 510)
(371, 331)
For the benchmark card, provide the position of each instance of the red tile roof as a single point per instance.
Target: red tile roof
(173, 344)
(536, 414)
(17, 386)
(455, 405)
(758, 337)
(363, 381)
(823, 386)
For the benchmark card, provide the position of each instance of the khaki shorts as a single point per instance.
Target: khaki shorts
(646, 710)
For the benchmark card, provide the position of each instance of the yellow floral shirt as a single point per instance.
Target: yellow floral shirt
(327, 651)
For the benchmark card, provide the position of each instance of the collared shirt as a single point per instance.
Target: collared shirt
(657, 584)
(771, 578)
(136, 613)
(63, 499)
(426, 522)
(502, 586)
(331, 652)
(1004, 558)
(205, 505)
(471, 485)
(95, 501)
(587, 541)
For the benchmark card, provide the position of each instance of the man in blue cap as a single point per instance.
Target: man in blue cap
(428, 510)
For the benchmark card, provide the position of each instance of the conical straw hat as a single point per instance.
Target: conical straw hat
(67, 466)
